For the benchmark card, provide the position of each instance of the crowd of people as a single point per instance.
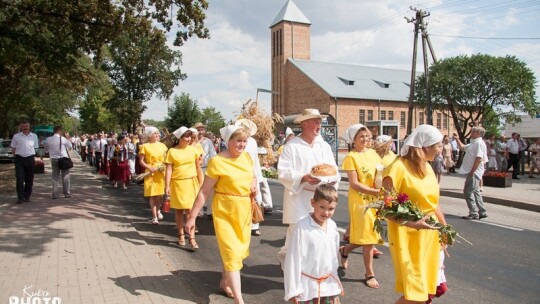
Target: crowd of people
(197, 173)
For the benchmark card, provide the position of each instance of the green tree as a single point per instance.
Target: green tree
(212, 119)
(480, 88)
(140, 65)
(158, 124)
(94, 116)
(42, 41)
(183, 112)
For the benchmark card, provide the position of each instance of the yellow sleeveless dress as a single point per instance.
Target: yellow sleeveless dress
(415, 253)
(361, 222)
(154, 155)
(231, 207)
(184, 184)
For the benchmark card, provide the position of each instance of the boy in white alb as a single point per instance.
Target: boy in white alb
(311, 261)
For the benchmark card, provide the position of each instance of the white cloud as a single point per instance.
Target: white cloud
(225, 70)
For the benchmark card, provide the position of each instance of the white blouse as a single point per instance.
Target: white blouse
(313, 253)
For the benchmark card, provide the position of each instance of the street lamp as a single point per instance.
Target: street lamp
(264, 91)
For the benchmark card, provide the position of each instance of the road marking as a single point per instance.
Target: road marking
(498, 225)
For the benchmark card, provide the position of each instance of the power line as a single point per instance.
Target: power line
(487, 38)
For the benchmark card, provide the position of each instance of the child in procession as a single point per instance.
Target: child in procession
(311, 262)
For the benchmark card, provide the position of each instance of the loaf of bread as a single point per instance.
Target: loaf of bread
(323, 170)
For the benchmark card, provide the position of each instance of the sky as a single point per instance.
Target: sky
(226, 70)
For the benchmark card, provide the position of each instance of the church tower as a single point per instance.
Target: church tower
(290, 38)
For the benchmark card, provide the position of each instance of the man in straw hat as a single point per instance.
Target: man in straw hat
(208, 153)
(299, 156)
(251, 148)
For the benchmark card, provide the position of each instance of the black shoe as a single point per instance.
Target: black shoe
(268, 210)
(470, 217)
(20, 201)
(482, 216)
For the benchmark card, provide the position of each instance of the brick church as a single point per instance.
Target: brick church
(348, 93)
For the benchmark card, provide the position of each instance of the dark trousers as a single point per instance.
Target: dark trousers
(97, 161)
(90, 158)
(24, 171)
(513, 162)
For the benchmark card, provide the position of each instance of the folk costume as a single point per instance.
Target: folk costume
(154, 155)
(119, 164)
(311, 263)
(184, 184)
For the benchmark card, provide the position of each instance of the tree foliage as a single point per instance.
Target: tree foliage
(183, 112)
(140, 64)
(42, 42)
(480, 88)
(212, 119)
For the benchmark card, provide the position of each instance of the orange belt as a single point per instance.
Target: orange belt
(322, 279)
(229, 194)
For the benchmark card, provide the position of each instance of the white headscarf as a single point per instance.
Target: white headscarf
(423, 136)
(194, 130)
(384, 138)
(150, 130)
(351, 132)
(227, 131)
(179, 132)
(288, 132)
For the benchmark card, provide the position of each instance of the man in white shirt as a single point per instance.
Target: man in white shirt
(58, 146)
(24, 145)
(473, 166)
(512, 145)
(99, 145)
(299, 156)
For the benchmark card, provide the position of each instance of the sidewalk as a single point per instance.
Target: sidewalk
(63, 248)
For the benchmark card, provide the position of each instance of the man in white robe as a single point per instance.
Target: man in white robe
(299, 156)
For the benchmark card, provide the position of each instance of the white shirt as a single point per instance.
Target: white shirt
(296, 160)
(477, 148)
(513, 146)
(312, 251)
(53, 146)
(209, 151)
(97, 146)
(25, 145)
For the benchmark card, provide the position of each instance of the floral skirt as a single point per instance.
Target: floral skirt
(322, 300)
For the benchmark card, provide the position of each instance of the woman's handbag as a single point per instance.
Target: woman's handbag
(256, 211)
(64, 163)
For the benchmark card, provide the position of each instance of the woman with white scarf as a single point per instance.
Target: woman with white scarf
(414, 246)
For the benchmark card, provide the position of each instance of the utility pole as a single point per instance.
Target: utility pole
(419, 25)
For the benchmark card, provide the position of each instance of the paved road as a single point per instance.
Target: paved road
(502, 267)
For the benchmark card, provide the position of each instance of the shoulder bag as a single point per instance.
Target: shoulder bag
(64, 163)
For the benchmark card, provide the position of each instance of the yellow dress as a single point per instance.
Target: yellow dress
(388, 159)
(415, 253)
(184, 184)
(361, 222)
(231, 207)
(154, 155)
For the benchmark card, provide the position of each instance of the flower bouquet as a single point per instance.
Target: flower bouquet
(142, 176)
(399, 207)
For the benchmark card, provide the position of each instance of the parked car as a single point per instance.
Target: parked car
(6, 154)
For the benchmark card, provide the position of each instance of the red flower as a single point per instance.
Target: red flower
(402, 198)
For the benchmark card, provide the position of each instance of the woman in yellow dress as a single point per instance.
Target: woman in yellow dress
(151, 157)
(414, 246)
(230, 175)
(181, 181)
(382, 145)
(360, 166)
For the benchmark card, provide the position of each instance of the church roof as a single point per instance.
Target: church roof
(290, 12)
(356, 81)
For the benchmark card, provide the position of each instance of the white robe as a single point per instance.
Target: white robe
(313, 251)
(296, 160)
(209, 151)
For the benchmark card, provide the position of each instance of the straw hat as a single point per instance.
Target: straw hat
(248, 125)
(199, 125)
(308, 114)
